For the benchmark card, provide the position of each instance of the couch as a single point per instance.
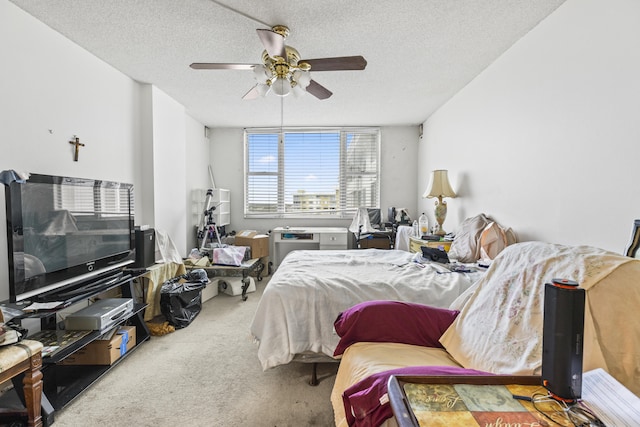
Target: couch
(494, 327)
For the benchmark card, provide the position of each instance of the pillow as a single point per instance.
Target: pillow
(499, 329)
(465, 247)
(493, 239)
(392, 321)
(366, 403)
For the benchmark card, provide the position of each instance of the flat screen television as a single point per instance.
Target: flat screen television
(64, 232)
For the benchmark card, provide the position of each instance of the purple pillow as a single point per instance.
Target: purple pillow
(362, 405)
(392, 321)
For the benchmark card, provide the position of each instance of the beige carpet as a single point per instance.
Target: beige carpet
(206, 374)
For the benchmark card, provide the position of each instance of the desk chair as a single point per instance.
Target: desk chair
(366, 227)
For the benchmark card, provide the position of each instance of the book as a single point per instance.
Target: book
(612, 402)
(470, 404)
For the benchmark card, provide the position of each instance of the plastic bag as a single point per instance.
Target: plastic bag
(181, 297)
(231, 255)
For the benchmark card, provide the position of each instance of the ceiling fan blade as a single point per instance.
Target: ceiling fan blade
(272, 42)
(319, 91)
(252, 94)
(339, 63)
(221, 66)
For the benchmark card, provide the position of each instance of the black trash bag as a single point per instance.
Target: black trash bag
(181, 297)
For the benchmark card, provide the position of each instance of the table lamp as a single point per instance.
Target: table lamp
(439, 187)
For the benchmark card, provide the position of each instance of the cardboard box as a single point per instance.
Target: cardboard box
(104, 352)
(259, 243)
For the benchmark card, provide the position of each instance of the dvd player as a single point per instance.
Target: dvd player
(100, 315)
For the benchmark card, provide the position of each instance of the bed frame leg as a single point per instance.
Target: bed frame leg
(314, 374)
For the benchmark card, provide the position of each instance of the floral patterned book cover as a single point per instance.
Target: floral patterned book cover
(473, 405)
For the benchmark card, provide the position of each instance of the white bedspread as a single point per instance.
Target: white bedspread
(310, 288)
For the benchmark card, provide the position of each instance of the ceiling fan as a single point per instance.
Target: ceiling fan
(282, 71)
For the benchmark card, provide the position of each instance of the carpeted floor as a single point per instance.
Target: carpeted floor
(206, 374)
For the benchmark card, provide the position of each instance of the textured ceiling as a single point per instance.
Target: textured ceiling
(419, 52)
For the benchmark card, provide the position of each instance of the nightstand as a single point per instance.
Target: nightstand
(416, 243)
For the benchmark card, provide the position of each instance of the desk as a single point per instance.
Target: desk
(152, 282)
(463, 400)
(24, 359)
(243, 270)
(287, 239)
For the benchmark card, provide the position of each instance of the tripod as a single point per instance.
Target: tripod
(208, 229)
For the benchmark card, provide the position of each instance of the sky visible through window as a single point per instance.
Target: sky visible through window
(311, 162)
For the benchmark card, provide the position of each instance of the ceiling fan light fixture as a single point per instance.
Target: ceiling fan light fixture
(302, 78)
(263, 89)
(281, 86)
(261, 73)
(297, 90)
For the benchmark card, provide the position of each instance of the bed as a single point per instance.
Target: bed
(294, 318)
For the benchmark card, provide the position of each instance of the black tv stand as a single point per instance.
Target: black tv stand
(83, 290)
(63, 383)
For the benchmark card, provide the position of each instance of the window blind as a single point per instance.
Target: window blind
(311, 172)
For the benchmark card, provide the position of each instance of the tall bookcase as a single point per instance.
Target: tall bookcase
(220, 198)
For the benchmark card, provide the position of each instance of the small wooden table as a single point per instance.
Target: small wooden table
(463, 400)
(243, 270)
(23, 361)
(416, 243)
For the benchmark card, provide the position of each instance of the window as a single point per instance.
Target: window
(302, 173)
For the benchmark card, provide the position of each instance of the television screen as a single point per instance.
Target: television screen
(63, 231)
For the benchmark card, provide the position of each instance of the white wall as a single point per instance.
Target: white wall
(169, 174)
(547, 139)
(51, 89)
(399, 149)
(197, 175)
(175, 156)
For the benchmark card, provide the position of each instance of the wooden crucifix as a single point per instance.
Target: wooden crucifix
(77, 144)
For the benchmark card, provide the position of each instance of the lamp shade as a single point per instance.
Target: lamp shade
(439, 185)
(303, 78)
(263, 89)
(281, 86)
(261, 73)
